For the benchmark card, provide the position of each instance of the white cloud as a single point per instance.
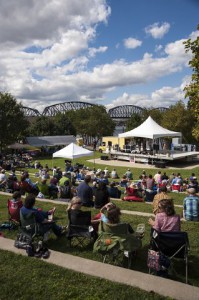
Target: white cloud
(163, 97)
(93, 51)
(132, 43)
(158, 48)
(64, 33)
(157, 31)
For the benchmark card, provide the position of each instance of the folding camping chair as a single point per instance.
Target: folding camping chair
(172, 245)
(14, 212)
(79, 228)
(31, 229)
(116, 244)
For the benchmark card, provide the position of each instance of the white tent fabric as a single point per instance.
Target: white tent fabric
(149, 129)
(72, 151)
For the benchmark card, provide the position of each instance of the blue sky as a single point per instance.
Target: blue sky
(106, 52)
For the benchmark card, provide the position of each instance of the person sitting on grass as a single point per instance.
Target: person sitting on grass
(101, 195)
(160, 196)
(191, 206)
(113, 190)
(124, 180)
(42, 217)
(166, 219)
(43, 189)
(114, 174)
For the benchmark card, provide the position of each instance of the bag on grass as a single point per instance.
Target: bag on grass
(22, 241)
(157, 261)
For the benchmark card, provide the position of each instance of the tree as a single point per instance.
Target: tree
(155, 114)
(192, 89)
(42, 126)
(64, 125)
(93, 121)
(179, 118)
(134, 121)
(12, 120)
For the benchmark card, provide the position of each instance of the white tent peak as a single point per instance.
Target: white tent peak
(72, 151)
(151, 130)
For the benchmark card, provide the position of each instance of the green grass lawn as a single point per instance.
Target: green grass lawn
(140, 263)
(34, 279)
(61, 244)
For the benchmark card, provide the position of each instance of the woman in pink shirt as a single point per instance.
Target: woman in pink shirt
(166, 218)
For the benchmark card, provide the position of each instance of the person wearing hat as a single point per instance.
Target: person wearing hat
(191, 206)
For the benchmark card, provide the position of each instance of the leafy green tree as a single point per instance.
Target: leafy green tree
(155, 114)
(12, 120)
(42, 126)
(192, 89)
(134, 121)
(93, 121)
(64, 125)
(181, 119)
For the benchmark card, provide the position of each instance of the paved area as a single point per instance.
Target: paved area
(165, 287)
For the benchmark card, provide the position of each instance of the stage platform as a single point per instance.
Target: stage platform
(187, 160)
(152, 159)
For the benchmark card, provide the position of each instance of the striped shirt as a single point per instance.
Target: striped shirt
(191, 208)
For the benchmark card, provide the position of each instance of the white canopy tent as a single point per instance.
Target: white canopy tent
(72, 151)
(149, 129)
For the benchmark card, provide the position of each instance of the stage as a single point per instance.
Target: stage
(159, 160)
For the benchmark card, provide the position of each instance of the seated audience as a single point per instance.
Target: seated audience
(191, 206)
(101, 195)
(43, 189)
(129, 174)
(113, 191)
(3, 179)
(160, 196)
(193, 183)
(124, 180)
(12, 184)
(103, 178)
(157, 177)
(63, 179)
(165, 219)
(132, 190)
(25, 187)
(114, 174)
(106, 173)
(150, 183)
(110, 214)
(41, 216)
(85, 192)
(14, 206)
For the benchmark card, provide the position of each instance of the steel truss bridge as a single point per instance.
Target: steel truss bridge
(119, 113)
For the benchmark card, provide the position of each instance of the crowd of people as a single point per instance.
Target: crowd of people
(82, 187)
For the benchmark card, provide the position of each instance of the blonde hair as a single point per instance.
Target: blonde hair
(75, 200)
